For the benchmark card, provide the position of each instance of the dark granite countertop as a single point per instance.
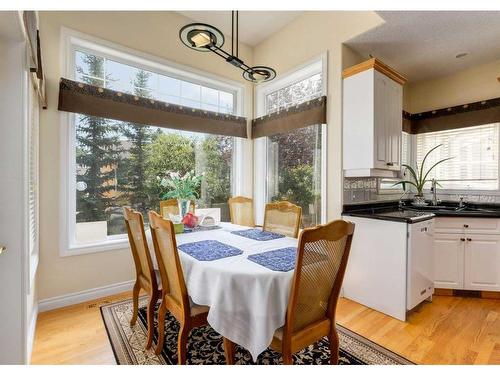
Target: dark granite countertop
(391, 211)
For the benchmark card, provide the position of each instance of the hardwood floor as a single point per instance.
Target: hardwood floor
(74, 335)
(450, 330)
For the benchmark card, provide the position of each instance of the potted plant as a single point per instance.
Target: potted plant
(183, 188)
(418, 178)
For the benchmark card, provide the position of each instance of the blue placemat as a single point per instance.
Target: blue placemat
(209, 250)
(276, 260)
(257, 234)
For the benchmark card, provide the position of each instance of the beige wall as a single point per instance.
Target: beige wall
(470, 85)
(308, 36)
(155, 33)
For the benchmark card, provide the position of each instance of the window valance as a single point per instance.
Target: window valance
(92, 100)
(461, 116)
(308, 113)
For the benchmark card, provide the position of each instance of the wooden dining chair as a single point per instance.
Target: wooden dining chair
(170, 206)
(319, 270)
(174, 296)
(145, 276)
(241, 211)
(282, 217)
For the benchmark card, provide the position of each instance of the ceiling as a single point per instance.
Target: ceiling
(255, 26)
(423, 44)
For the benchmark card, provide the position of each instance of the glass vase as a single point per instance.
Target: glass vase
(183, 206)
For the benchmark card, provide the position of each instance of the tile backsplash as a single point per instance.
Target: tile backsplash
(366, 189)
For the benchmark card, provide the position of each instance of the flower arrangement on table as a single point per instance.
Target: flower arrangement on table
(184, 189)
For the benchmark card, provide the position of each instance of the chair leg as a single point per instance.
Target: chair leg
(161, 327)
(229, 351)
(151, 319)
(334, 347)
(287, 358)
(182, 343)
(135, 300)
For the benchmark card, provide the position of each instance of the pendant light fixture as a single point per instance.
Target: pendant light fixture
(207, 38)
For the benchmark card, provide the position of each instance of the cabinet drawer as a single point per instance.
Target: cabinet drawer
(467, 225)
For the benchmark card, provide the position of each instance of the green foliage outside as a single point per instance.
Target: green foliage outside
(296, 185)
(297, 181)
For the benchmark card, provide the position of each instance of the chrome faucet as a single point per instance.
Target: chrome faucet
(434, 192)
(461, 203)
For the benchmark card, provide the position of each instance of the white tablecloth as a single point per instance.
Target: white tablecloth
(247, 301)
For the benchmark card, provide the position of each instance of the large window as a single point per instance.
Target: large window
(474, 152)
(294, 170)
(116, 163)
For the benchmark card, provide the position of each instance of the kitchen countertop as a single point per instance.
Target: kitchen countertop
(390, 210)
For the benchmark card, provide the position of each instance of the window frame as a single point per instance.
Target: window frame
(71, 41)
(314, 66)
(458, 192)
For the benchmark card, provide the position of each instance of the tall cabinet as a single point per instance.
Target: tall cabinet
(372, 120)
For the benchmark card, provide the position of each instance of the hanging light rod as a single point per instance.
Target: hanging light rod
(207, 38)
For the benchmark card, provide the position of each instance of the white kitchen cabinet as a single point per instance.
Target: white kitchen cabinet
(467, 253)
(372, 120)
(448, 261)
(482, 262)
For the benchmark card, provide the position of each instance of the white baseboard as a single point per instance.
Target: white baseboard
(31, 332)
(85, 295)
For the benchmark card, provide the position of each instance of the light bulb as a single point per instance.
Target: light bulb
(201, 39)
(259, 77)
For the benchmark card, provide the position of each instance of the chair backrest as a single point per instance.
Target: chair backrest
(241, 211)
(170, 206)
(321, 262)
(282, 217)
(167, 256)
(140, 250)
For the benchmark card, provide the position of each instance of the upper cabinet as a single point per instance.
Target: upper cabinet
(372, 120)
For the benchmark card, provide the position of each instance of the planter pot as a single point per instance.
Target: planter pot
(419, 200)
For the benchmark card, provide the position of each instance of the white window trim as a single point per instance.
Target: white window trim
(72, 40)
(316, 65)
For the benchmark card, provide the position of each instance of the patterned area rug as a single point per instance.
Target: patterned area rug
(205, 345)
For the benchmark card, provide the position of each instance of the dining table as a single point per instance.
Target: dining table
(247, 299)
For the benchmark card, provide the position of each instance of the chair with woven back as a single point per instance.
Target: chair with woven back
(170, 206)
(282, 217)
(174, 296)
(145, 276)
(322, 256)
(241, 211)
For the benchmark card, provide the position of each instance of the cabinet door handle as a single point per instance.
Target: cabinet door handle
(462, 239)
(466, 225)
(390, 164)
(468, 239)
